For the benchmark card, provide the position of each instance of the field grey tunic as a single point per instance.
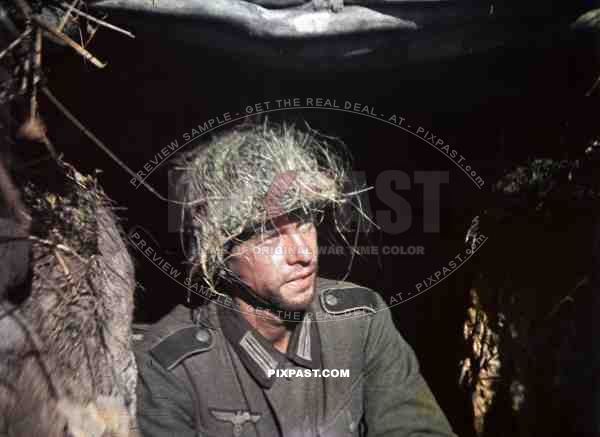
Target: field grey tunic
(208, 375)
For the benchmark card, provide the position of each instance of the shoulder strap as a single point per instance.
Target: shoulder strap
(338, 297)
(181, 344)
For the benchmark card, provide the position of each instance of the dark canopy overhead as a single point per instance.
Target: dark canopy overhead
(325, 33)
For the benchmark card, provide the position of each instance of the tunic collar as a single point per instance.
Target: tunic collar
(259, 355)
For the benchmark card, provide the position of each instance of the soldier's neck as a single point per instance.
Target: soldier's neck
(269, 325)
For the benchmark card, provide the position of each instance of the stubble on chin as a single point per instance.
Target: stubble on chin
(299, 301)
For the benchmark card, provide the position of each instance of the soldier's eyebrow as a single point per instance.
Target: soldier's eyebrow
(263, 231)
(256, 232)
(312, 216)
(267, 233)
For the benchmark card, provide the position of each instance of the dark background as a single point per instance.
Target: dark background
(496, 108)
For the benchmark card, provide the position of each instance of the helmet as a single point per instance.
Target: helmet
(224, 187)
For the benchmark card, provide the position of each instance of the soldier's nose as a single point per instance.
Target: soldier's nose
(298, 250)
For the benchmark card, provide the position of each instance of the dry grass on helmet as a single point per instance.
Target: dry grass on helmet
(224, 184)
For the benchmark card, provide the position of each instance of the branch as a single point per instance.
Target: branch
(99, 143)
(66, 16)
(67, 40)
(97, 20)
(15, 43)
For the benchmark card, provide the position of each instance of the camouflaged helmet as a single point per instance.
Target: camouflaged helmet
(224, 185)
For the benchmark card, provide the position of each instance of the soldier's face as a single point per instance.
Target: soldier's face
(280, 265)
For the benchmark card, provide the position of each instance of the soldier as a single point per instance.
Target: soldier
(253, 361)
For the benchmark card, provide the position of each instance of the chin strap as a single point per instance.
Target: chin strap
(247, 294)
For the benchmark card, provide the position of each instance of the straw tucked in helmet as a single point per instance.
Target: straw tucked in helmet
(225, 182)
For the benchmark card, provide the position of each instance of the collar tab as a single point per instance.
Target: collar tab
(258, 354)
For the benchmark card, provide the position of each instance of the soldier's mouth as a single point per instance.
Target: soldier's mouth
(302, 276)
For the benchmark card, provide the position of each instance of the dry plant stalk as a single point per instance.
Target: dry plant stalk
(67, 40)
(73, 9)
(223, 187)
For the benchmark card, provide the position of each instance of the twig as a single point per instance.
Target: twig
(64, 266)
(66, 39)
(15, 42)
(91, 33)
(36, 73)
(593, 88)
(58, 246)
(98, 20)
(33, 128)
(99, 143)
(568, 297)
(67, 15)
(50, 147)
(26, 66)
(83, 43)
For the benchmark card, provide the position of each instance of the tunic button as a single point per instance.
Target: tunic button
(331, 299)
(202, 335)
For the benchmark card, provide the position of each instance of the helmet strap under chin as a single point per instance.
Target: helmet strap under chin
(240, 289)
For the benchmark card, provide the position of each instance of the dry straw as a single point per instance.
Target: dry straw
(224, 184)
